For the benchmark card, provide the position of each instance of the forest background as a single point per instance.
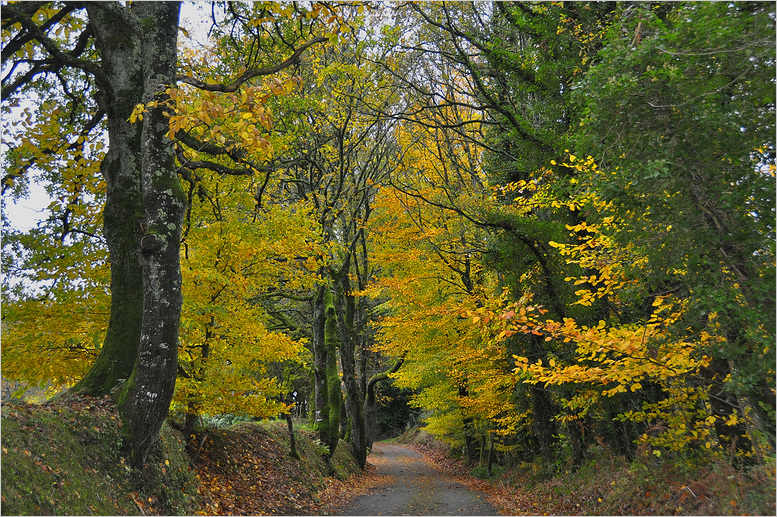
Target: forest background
(548, 226)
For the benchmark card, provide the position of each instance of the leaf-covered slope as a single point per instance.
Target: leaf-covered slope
(247, 470)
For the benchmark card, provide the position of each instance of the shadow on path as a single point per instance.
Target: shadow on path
(413, 487)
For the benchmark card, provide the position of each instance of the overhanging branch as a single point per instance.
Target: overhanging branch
(250, 74)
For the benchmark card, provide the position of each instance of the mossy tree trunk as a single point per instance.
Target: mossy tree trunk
(121, 90)
(320, 415)
(346, 303)
(334, 391)
(133, 61)
(145, 398)
(143, 216)
(328, 394)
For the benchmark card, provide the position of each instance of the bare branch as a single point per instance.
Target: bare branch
(65, 58)
(250, 74)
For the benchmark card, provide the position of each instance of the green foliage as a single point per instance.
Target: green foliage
(680, 110)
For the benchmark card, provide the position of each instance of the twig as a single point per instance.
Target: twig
(199, 447)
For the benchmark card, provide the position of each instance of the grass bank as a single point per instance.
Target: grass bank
(64, 457)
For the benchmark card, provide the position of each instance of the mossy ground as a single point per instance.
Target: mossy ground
(65, 457)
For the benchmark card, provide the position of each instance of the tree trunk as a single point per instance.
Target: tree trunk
(354, 397)
(469, 429)
(724, 405)
(574, 428)
(334, 391)
(327, 378)
(120, 48)
(544, 424)
(370, 402)
(145, 398)
(293, 441)
(321, 397)
(491, 455)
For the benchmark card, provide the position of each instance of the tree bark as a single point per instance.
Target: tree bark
(354, 399)
(145, 398)
(120, 46)
(327, 378)
(334, 391)
(468, 428)
(320, 407)
(137, 56)
(293, 441)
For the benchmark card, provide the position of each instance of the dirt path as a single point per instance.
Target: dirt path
(414, 487)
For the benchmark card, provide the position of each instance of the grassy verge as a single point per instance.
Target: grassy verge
(607, 484)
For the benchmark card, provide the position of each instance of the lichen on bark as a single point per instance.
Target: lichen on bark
(122, 89)
(145, 397)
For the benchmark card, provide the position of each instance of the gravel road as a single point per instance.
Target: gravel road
(414, 487)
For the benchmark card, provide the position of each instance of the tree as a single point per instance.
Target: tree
(144, 202)
(430, 248)
(679, 113)
(235, 256)
(514, 63)
(126, 56)
(345, 148)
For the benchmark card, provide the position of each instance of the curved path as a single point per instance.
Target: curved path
(414, 488)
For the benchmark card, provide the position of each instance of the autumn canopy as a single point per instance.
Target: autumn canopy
(538, 227)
